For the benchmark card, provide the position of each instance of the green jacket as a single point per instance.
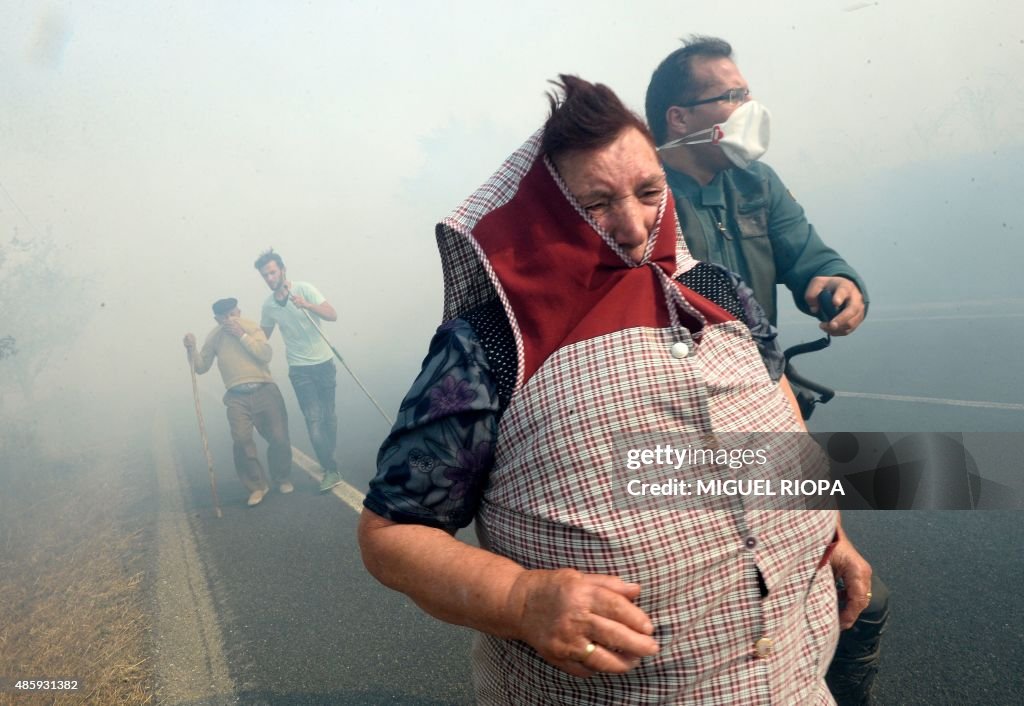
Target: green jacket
(747, 221)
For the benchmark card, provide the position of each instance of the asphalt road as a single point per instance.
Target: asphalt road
(301, 622)
(956, 629)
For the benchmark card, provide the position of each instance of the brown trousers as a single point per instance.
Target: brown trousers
(263, 409)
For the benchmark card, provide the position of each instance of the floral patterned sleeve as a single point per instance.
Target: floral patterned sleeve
(433, 467)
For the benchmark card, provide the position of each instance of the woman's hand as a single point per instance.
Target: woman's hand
(558, 613)
(855, 571)
(562, 612)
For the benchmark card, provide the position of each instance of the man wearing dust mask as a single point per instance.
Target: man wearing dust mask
(735, 211)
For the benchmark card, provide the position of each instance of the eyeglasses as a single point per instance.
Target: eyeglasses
(733, 95)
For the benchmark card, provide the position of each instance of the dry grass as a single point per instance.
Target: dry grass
(71, 604)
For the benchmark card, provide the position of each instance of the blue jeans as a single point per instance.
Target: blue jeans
(314, 387)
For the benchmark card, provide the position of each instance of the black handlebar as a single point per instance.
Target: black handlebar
(808, 393)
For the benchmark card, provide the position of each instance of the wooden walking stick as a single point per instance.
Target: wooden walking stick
(202, 431)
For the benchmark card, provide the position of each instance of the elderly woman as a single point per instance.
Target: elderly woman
(575, 318)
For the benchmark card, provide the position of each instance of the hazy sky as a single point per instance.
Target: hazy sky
(164, 145)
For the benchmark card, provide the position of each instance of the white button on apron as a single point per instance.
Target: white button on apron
(680, 350)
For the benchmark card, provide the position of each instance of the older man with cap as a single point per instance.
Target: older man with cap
(252, 398)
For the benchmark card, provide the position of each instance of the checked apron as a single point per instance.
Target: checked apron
(612, 354)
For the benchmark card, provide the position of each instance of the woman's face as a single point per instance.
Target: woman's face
(620, 186)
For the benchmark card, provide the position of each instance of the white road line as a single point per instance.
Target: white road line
(343, 491)
(932, 317)
(1013, 406)
(942, 317)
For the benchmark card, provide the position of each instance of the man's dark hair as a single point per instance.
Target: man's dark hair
(585, 116)
(268, 256)
(672, 82)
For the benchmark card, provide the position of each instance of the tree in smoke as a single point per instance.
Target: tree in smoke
(44, 309)
(7, 347)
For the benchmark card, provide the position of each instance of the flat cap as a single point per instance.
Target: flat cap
(222, 307)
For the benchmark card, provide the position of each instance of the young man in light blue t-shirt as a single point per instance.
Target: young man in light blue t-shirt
(310, 359)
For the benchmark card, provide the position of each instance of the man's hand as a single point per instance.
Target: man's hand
(233, 327)
(190, 341)
(562, 612)
(282, 293)
(855, 571)
(846, 298)
(299, 302)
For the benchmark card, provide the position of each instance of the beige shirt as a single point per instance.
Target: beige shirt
(240, 360)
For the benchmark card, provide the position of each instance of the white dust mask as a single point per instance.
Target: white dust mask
(743, 137)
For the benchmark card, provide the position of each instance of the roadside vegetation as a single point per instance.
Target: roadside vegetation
(71, 575)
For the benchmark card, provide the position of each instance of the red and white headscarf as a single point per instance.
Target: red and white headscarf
(524, 238)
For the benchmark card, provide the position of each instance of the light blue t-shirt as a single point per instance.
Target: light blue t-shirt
(303, 345)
